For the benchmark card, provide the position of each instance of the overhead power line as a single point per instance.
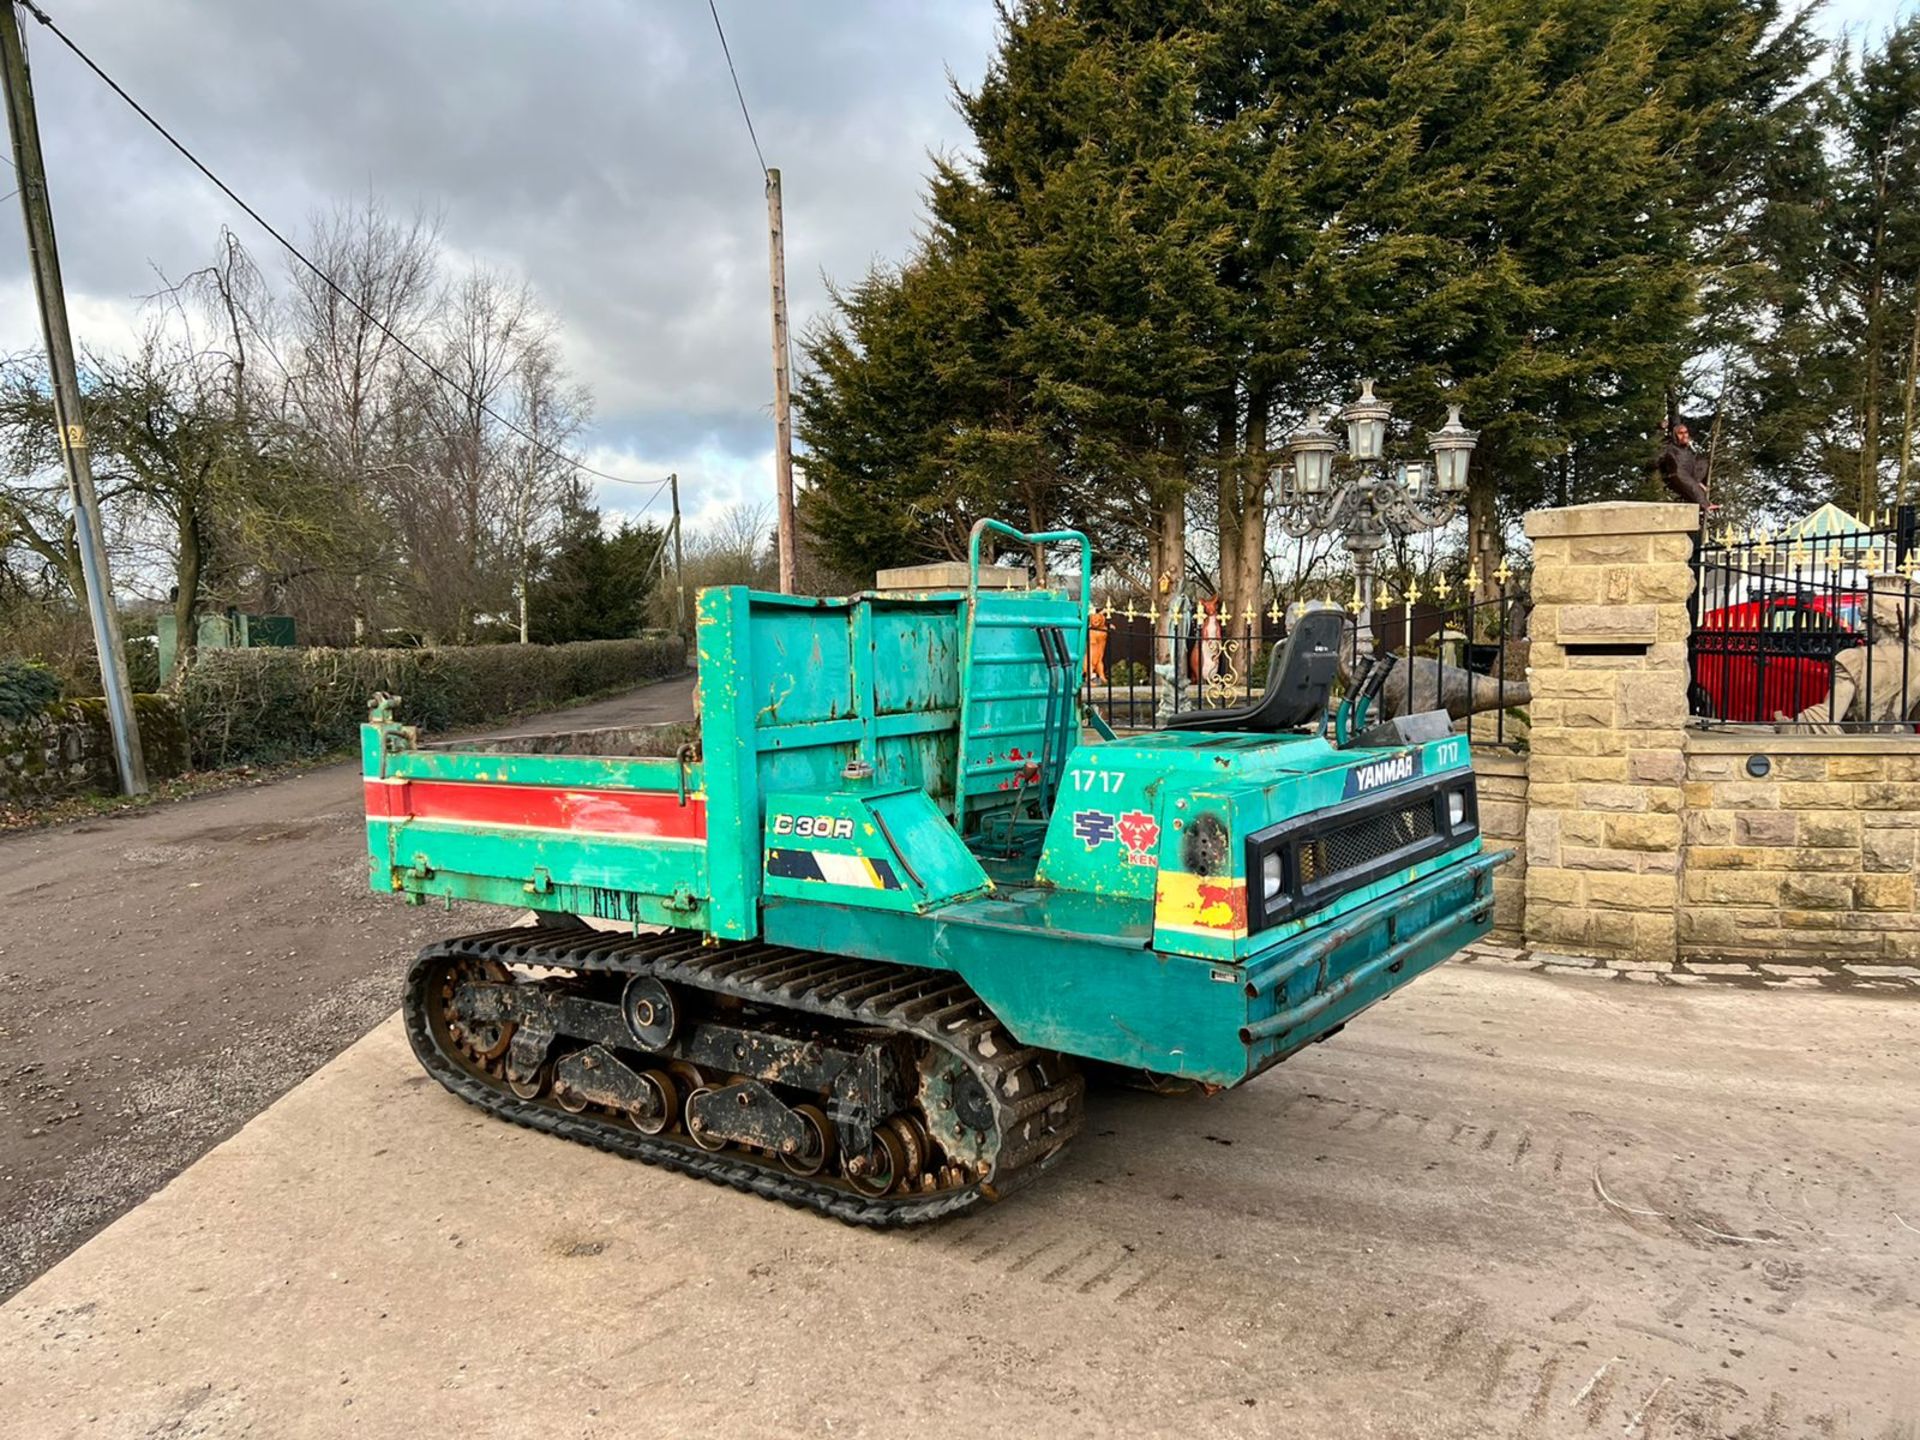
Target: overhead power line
(326, 279)
(739, 94)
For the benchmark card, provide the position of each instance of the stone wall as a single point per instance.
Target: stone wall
(1605, 772)
(68, 750)
(1812, 860)
(1501, 778)
(1649, 843)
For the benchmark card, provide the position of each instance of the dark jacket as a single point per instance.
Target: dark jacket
(1683, 470)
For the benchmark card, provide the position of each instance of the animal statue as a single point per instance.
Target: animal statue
(1891, 662)
(1424, 683)
(1097, 647)
(1167, 699)
(1203, 655)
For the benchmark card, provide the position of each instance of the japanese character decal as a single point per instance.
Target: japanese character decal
(1139, 833)
(1096, 827)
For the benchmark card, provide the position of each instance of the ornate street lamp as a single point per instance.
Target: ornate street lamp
(1452, 444)
(1367, 424)
(1364, 496)
(1312, 448)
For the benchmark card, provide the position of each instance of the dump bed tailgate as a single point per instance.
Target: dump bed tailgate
(616, 836)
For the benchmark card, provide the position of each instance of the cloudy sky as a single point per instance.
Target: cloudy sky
(594, 146)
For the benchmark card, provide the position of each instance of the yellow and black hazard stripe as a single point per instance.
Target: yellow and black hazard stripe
(856, 870)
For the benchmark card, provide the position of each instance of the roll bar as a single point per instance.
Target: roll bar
(1043, 537)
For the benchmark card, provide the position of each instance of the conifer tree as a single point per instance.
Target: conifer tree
(1190, 221)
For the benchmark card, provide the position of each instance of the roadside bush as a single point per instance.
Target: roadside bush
(59, 637)
(255, 706)
(26, 688)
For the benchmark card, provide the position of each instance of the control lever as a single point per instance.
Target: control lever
(1343, 715)
(1351, 718)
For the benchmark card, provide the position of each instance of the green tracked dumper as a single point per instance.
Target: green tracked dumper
(845, 940)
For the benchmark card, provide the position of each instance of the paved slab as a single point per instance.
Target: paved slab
(1502, 1204)
(165, 973)
(1757, 974)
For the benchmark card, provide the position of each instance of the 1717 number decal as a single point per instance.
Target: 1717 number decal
(1098, 782)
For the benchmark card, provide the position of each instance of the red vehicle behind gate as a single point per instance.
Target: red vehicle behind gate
(1761, 659)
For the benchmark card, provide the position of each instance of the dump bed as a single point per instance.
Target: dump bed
(956, 697)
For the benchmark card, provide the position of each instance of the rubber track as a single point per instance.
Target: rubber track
(1034, 1118)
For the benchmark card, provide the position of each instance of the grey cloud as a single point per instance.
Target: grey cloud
(594, 146)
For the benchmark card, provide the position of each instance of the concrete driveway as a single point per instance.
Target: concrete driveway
(164, 974)
(1501, 1204)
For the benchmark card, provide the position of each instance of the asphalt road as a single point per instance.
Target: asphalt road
(1500, 1204)
(167, 973)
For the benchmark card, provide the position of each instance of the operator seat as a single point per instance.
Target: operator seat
(1299, 680)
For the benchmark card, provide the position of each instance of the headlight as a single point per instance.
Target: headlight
(1456, 809)
(1270, 875)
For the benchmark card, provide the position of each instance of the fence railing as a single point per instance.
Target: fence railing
(1458, 651)
(1812, 626)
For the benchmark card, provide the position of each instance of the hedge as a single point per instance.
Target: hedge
(255, 706)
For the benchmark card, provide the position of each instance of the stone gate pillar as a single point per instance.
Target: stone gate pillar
(1606, 763)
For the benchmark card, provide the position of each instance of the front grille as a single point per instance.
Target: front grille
(1295, 868)
(1353, 846)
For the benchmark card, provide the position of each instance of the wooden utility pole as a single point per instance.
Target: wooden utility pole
(69, 419)
(1907, 415)
(679, 577)
(782, 421)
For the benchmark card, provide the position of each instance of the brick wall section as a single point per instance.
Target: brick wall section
(1606, 750)
(1501, 779)
(1813, 861)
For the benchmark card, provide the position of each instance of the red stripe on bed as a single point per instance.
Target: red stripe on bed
(599, 812)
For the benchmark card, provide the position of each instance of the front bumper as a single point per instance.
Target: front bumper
(1327, 976)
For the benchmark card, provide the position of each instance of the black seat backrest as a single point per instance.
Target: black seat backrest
(1299, 680)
